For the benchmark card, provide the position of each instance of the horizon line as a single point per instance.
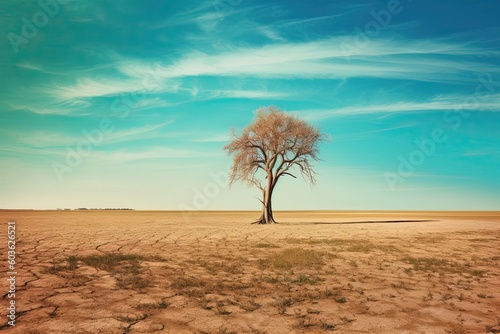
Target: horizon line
(256, 210)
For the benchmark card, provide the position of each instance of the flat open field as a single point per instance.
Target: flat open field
(213, 272)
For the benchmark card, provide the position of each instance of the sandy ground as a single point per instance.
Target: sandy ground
(213, 272)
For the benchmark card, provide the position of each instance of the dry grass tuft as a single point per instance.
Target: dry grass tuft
(430, 264)
(72, 261)
(125, 267)
(293, 258)
(304, 279)
(250, 305)
(54, 270)
(282, 304)
(131, 318)
(152, 306)
(214, 267)
(110, 261)
(134, 282)
(266, 245)
(183, 282)
(332, 242)
(347, 245)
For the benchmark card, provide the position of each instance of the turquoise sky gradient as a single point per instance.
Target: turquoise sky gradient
(129, 103)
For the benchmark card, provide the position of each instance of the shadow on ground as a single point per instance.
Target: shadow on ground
(375, 222)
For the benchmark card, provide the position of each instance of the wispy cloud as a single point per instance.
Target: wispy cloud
(215, 138)
(439, 103)
(74, 107)
(426, 189)
(206, 15)
(353, 135)
(41, 110)
(114, 156)
(431, 60)
(91, 87)
(35, 67)
(248, 94)
(56, 139)
(326, 59)
(139, 133)
(152, 153)
(309, 21)
(31, 151)
(484, 152)
(270, 33)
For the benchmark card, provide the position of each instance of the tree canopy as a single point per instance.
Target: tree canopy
(274, 145)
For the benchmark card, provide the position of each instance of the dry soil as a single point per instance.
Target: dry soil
(214, 272)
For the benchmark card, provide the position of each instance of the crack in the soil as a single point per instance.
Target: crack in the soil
(20, 314)
(100, 245)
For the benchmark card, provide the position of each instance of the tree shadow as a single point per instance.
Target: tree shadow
(376, 222)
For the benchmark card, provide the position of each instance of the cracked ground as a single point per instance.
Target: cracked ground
(214, 272)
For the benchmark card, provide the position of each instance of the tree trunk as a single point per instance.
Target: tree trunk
(267, 208)
(270, 206)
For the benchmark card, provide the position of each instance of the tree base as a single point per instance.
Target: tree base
(263, 221)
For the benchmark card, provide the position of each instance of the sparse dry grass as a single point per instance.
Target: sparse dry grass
(214, 267)
(183, 282)
(150, 306)
(266, 245)
(347, 245)
(130, 318)
(292, 258)
(437, 265)
(282, 304)
(331, 242)
(110, 261)
(250, 305)
(54, 269)
(72, 262)
(304, 279)
(134, 281)
(126, 268)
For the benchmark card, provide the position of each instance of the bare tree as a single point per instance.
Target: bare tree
(274, 145)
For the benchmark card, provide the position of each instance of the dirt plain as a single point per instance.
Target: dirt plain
(214, 272)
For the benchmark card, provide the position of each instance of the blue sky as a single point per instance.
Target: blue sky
(129, 103)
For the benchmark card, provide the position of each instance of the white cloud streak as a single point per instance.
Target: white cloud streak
(325, 59)
(53, 139)
(116, 156)
(89, 87)
(439, 103)
(153, 153)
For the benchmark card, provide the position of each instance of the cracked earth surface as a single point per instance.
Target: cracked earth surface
(213, 272)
